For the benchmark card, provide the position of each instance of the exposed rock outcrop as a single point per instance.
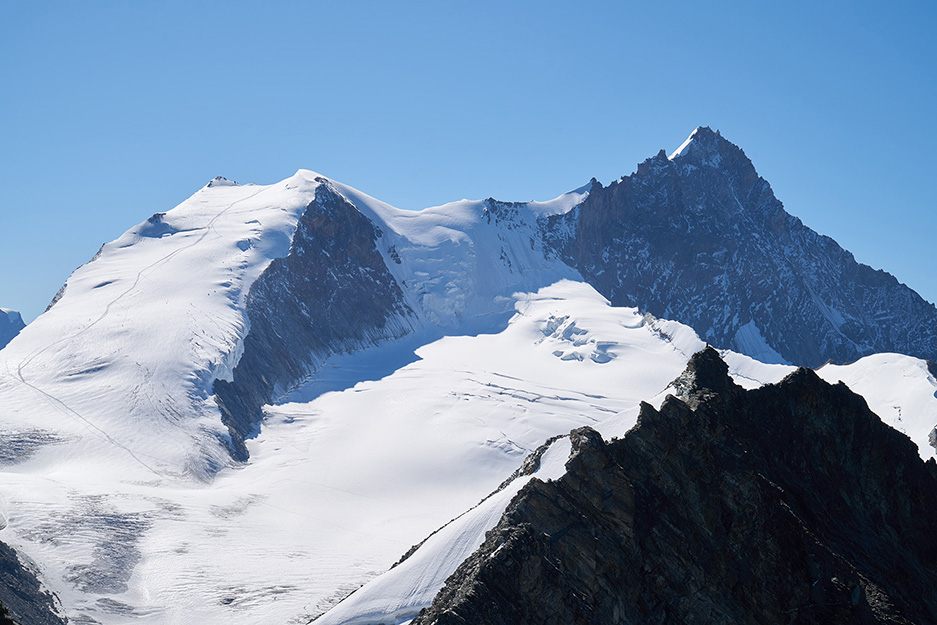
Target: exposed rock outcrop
(22, 598)
(701, 239)
(792, 503)
(332, 293)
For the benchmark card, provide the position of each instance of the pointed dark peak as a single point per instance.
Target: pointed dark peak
(705, 374)
(805, 376)
(329, 199)
(585, 438)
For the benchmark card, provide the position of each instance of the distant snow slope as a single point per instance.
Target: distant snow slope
(10, 325)
(900, 389)
(117, 481)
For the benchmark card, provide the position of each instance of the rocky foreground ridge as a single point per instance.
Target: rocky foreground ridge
(792, 503)
(23, 600)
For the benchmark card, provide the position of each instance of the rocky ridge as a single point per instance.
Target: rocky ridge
(332, 293)
(700, 238)
(23, 601)
(792, 503)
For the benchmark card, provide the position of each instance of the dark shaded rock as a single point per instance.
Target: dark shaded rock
(333, 293)
(703, 240)
(22, 599)
(792, 503)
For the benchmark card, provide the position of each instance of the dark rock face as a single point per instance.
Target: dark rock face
(702, 240)
(22, 599)
(332, 293)
(792, 503)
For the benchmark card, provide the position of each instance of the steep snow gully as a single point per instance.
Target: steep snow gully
(253, 404)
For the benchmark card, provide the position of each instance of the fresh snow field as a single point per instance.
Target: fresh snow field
(117, 485)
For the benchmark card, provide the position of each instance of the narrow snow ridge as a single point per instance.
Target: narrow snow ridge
(685, 145)
(402, 592)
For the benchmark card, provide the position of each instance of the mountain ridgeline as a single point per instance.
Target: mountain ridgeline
(130, 408)
(697, 237)
(700, 238)
(332, 293)
(792, 503)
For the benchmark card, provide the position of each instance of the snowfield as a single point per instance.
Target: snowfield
(117, 484)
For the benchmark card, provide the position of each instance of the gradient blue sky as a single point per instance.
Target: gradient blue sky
(112, 111)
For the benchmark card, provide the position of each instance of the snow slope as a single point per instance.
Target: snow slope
(117, 482)
(460, 263)
(399, 594)
(338, 487)
(122, 364)
(900, 389)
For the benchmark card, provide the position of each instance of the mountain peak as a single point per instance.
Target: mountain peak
(705, 373)
(703, 141)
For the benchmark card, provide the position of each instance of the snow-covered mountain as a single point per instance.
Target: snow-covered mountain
(248, 406)
(10, 325)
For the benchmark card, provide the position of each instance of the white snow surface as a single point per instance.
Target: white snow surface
(400, 594)
(10, 314)
(116, 483)
(750, 340)
(122, 365)
(684, 146)
(898, 388)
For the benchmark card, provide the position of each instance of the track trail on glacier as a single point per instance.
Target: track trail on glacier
(61, 405)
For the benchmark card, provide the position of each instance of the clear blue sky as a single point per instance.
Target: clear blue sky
(112, 111)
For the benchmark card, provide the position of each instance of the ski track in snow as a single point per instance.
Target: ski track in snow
(64, 407)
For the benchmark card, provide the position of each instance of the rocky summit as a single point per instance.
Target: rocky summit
(791, 503)
(700, 237)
